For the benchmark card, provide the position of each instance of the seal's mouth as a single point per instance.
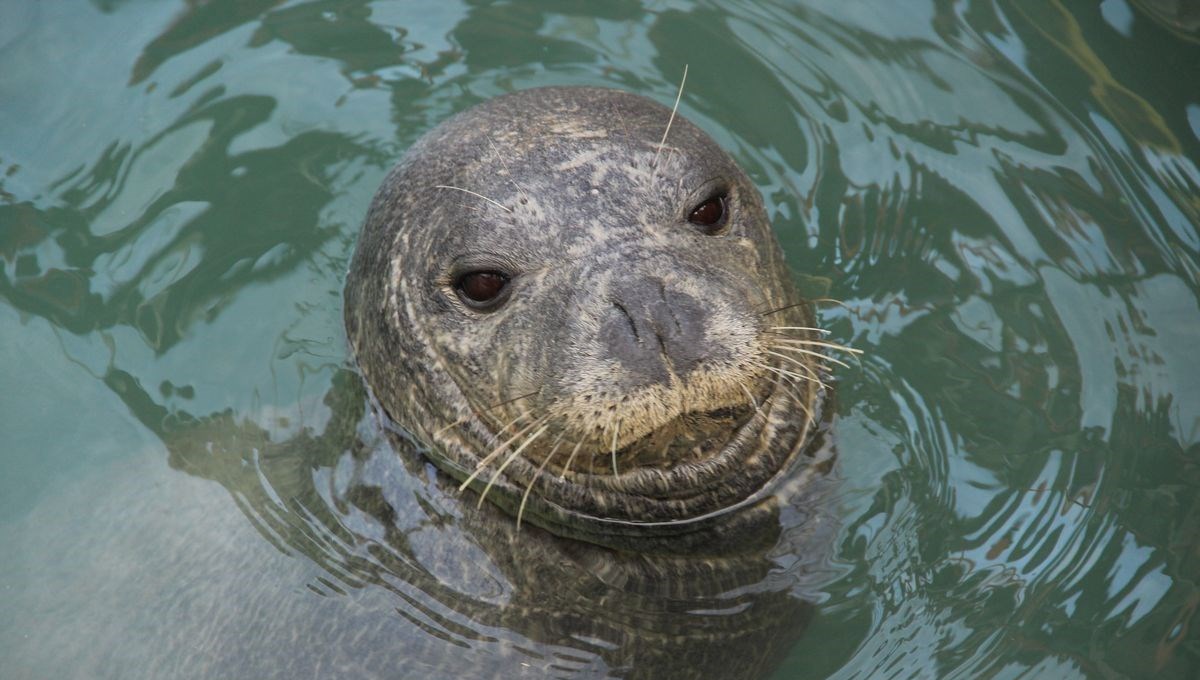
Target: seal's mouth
(688, 438)
(715, 460)
(704, 450)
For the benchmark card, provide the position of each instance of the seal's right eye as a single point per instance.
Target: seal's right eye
(711, 215)
(481, 290)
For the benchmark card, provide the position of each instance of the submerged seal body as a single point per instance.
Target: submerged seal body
(574, 299)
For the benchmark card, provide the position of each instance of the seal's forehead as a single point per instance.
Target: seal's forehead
(557, 165)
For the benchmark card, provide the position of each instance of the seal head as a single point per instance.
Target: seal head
(593, 326)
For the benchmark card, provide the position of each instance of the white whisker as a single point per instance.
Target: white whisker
(483, 463)
(808, 370)
(674, 109)
(498, 433)
(465, 418)
(810, 352)
(529, 487)
(616, 433)
(479, 195)
(799, 328)
(794, 375)
(504, 163)
(812, 377)
(839, 303)
(819, 343)
(511, 457)
(571, 459)
(750, 396)
(791, 388)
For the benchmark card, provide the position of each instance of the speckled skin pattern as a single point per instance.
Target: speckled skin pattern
(632, 364)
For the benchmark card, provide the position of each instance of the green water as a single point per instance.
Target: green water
(1005, 197)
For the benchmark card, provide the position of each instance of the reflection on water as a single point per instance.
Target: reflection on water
(1003, 195)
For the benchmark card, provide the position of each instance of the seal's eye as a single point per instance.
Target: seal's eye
(711, 215)
(481, 290)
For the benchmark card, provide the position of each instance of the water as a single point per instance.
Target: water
(1003, 195)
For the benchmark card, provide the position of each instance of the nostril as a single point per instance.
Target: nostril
(628, 336)
(681, 322)
(662, 345)
(654, 330)
(629, 318)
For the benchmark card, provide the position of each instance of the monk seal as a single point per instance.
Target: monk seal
(568, 300)
(574, 299)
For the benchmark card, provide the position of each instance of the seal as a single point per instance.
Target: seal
(569, 307)
(573, 298)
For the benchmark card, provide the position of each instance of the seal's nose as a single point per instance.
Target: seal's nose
(653, 330)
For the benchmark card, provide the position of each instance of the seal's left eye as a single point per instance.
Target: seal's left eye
(482, 289)
(711, 215)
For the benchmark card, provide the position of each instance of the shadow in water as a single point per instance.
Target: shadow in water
(463, 590)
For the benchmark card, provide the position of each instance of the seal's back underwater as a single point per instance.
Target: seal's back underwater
(574, 298)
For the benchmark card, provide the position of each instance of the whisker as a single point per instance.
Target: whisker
(769, 367)
(801, 350)
(674, 109)
(812, 375)
(795, 385)
(616, 113)
(786, 307)
(476, 194)
(815, 380)
(839, 303)
(800, 328)
(791, 388)
(483, 463)
(507, 169)
(498, 433)
(571, 459)
(511, 457)
(793, 374)
(536, 475)
(821, 343)
(464, 419)
(616, 432)
(750, 396)
(782, 372)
